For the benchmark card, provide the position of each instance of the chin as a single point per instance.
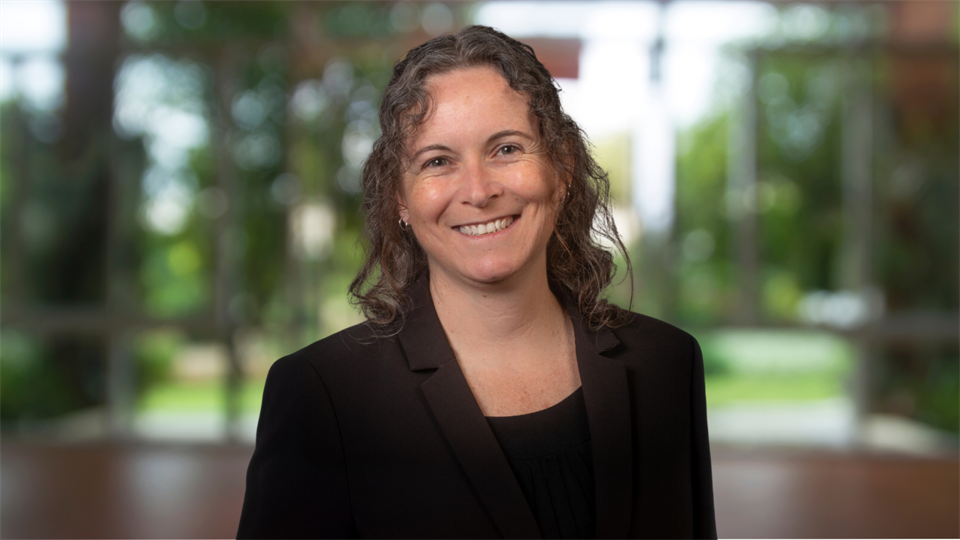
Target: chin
(493, 273)
(490, 279)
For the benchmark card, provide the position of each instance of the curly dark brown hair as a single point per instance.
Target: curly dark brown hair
(577, 266)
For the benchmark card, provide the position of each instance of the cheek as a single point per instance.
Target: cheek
(543, 188)
(427, 200)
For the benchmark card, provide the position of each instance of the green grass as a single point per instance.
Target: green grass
(776, 352)
(728, 389)
(183, 396)
(758, 365)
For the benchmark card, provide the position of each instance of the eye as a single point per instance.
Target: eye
(437, 162)
(507, 150)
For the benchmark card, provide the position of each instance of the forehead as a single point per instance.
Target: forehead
(471, 83)
(472, 102)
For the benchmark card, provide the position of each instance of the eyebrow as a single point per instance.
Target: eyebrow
(495, 136)
(430, 148)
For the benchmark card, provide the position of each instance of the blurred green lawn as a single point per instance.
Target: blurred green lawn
(727, 389)
(774, 365)
(184, 396)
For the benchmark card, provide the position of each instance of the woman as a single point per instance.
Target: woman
(491, 393)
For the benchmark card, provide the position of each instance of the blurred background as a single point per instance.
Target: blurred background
(179, 192)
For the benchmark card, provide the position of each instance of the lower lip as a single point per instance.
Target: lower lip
(489, 235)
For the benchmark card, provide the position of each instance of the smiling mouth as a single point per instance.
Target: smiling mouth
(483, 229)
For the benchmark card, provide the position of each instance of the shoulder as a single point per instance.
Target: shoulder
(346, 350)
(643, 325)
(663, 362)
(645, 333)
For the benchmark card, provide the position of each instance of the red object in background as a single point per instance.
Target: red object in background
(923, 71)
(561, 57)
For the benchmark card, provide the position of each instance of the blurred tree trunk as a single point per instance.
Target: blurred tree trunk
(77, 271)
(91, 56)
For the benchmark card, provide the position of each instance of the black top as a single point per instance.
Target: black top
(549, 452)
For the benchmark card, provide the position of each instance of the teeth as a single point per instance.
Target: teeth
(487, 228)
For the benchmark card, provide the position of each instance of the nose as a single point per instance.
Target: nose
(480, 185)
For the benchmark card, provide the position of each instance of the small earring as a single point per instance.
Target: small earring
(404, 226)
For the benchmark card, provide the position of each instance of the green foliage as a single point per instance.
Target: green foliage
(195, 24)
(358, 20)
(921, 382)
(799, 185)
(174, 281)
(36, 383)
(8, 186)
(705, 278)
(939, 402)
(7, 183)
(154, 352)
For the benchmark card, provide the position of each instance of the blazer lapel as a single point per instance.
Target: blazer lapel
(604, 384)
(477, 449)
(462, 422)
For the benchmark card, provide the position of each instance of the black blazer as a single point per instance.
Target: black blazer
(382, 437)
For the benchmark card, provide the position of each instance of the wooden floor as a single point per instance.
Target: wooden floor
(113, 491)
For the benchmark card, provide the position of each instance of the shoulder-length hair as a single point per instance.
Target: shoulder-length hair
(577, 266)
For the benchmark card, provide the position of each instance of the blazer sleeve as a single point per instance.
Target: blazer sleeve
(296, 482)
(705, 525)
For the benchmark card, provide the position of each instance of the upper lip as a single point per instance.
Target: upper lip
(484, 221)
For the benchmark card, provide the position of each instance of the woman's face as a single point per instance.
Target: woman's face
(478, 192)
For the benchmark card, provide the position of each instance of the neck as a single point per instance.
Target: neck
(487, 320)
